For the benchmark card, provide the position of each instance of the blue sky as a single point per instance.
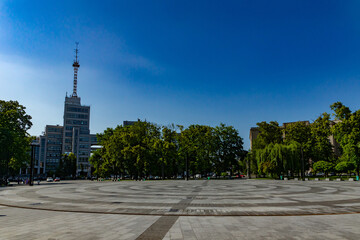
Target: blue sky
(182, 62)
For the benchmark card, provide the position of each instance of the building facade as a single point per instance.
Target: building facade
(76, 137)
(72, 137)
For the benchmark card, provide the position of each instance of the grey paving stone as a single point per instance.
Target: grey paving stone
(222, 210)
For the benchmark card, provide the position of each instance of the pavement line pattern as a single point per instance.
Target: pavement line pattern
(189, 198)
(173, 210)
(159, 229)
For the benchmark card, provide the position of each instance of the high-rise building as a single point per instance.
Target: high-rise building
(73, 137)
(76, 137)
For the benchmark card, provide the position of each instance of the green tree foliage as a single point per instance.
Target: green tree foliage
(323, 166)
(298, 134)
(347, 133)
(144, 149)
(320, 143)
(128, 150)
(67, 166)
(14, 139)
(167, 149)
(229, 148)
(268, 133)
(344, 166)
(287, 151)
(97, 162)
(278, 159)
(197, 147)
(341, 112)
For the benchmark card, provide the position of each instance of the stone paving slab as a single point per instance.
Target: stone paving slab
(46, 225)
(287, 227)
(241, 198)
(181, 210)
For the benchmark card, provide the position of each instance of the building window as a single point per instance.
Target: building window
(76, 109)
(84, 139)
(76, 122)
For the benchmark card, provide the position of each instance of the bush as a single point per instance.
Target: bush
(323, 166)
(344, 167)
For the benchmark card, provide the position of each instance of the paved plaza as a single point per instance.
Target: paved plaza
(198, 209)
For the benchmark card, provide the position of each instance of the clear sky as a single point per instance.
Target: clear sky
(183, 62)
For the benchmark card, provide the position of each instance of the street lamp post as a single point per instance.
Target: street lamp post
(31, 164)
(302, 165)
(31, 180)
(187, 169)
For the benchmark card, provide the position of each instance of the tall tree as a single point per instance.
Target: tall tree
(322, 149)
(268, 133)
(347, 133)
(14, 139)
(97, 161)
(299, 132)
(229, 148)
(168, 151)
(341, 112)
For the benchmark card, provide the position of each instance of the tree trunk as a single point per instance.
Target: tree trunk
(162, 171)
(303, 165)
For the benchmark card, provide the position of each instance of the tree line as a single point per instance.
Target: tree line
(145, 149)
(299, 147)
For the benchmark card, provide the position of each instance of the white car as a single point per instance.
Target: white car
(49, 179)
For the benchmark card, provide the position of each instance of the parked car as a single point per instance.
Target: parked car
(57, 179)
(49, 179)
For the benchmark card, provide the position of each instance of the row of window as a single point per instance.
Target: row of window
(51, 129)
(83, 153)
(71, 128)
(69, 134)
(54, 148)
(76, 122)
(54, 135)
(83, 139)
(77, 109)
(54, 142)
(74, 115)
(51, 160)
(53, 154)
(84, 131)
(81, 159)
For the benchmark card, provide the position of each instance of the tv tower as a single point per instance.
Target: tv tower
(76, 66)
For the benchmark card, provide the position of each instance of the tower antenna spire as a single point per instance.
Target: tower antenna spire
(76, 66)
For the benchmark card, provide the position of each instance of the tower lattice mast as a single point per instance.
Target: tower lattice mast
(76, 66)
